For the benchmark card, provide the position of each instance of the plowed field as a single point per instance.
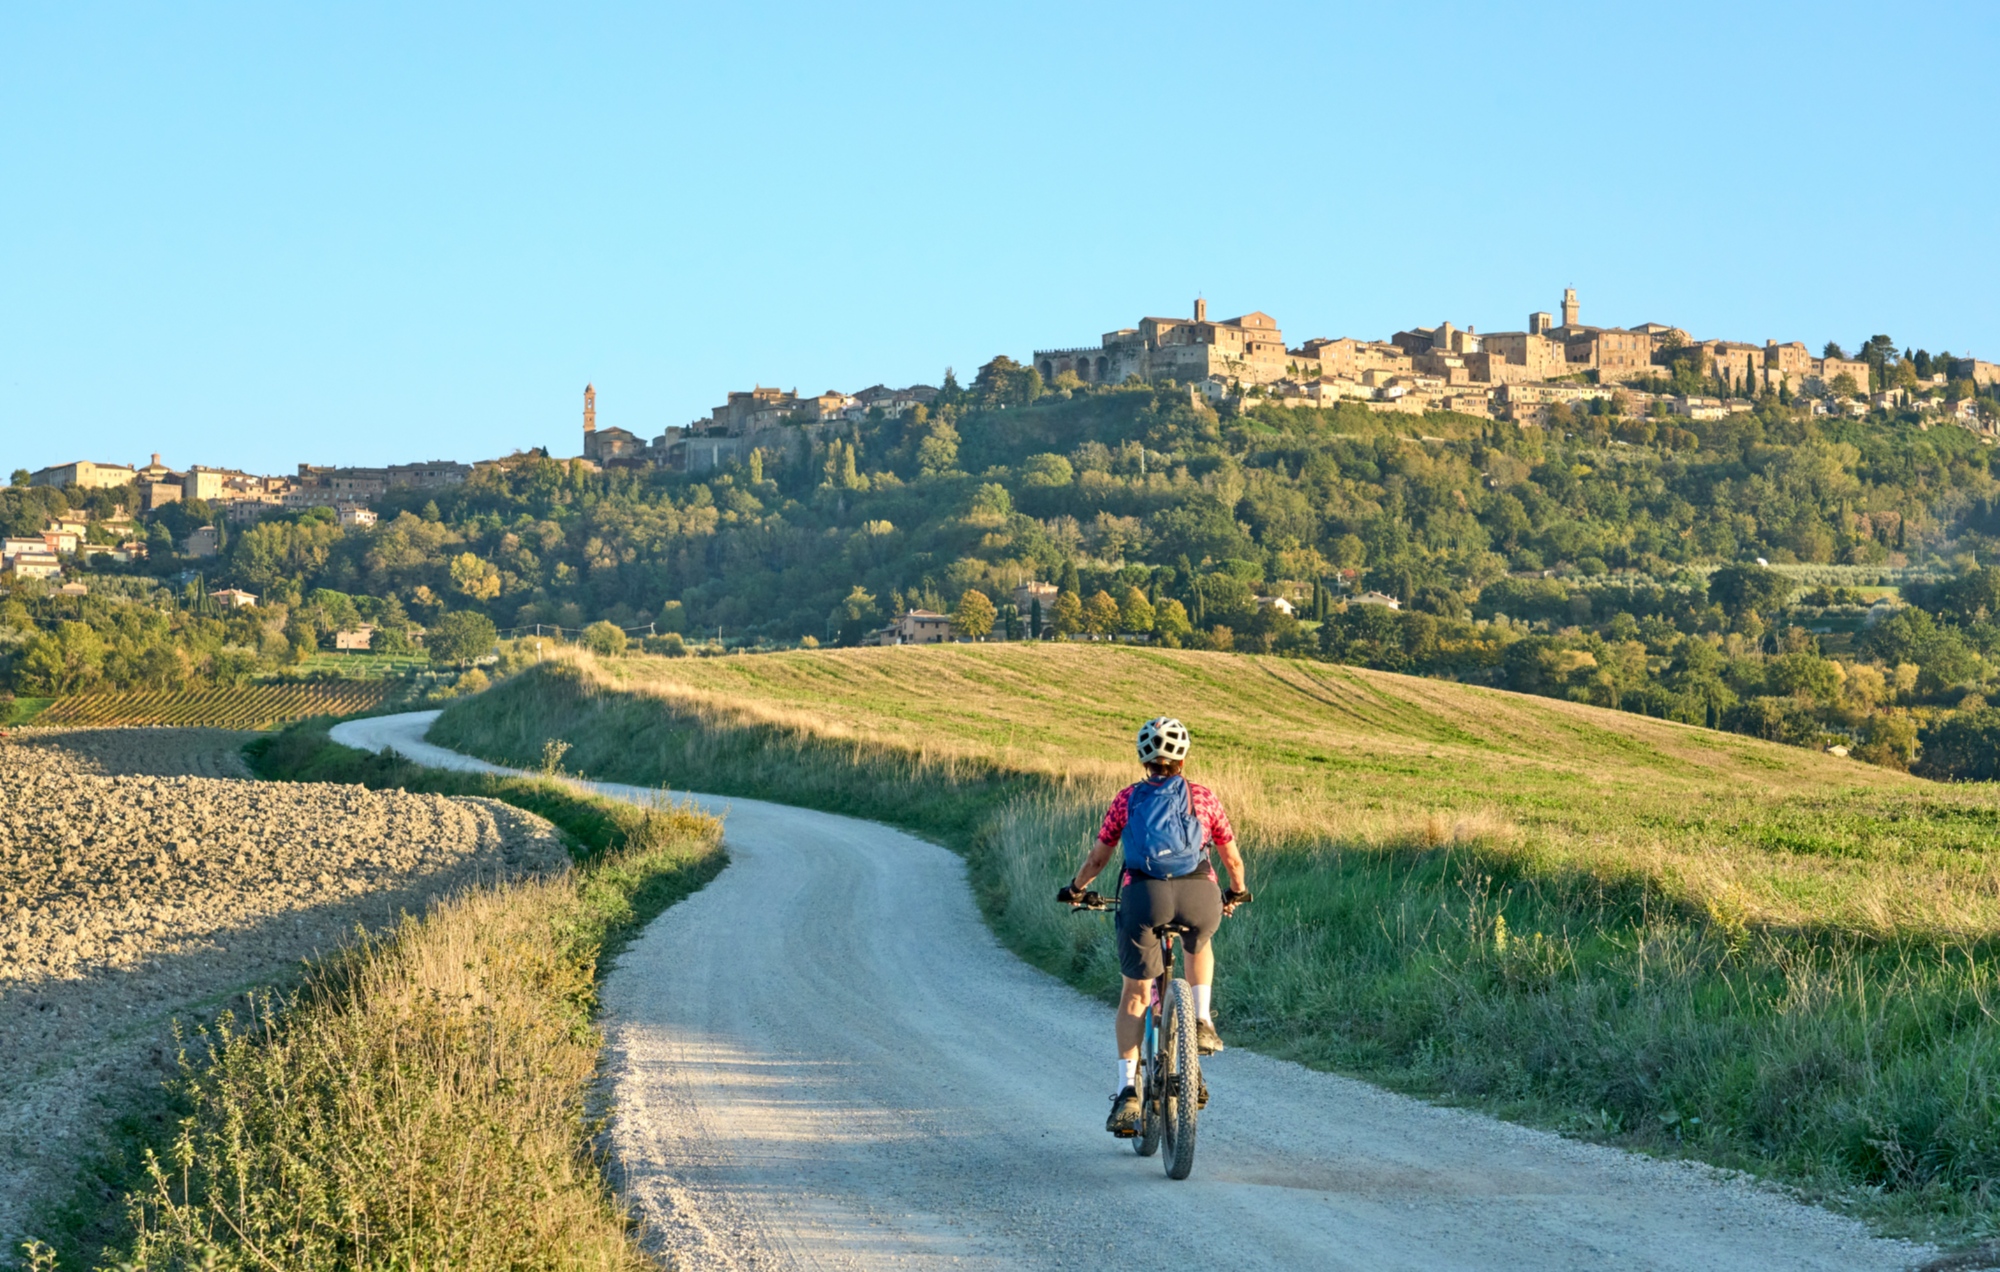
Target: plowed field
(128, 901)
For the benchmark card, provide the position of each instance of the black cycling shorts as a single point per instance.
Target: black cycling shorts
(1194, 900)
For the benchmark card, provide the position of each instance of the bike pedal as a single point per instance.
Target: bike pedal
(1125, 1135)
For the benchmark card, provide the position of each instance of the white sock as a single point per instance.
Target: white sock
(1128, 1074)
(1201, 1002)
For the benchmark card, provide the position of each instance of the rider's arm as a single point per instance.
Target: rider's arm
(1108, 835)
(1100, 854)
(1232, 861)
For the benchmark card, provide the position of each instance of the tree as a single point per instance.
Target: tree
(62, 661)
(460, 636)
(1962, 747)
(1069, 614)
(974, 615)
(1833, 350)
(1740, 589)
(474, 576)
(1004, 382)
(1035, 619)
(1100, 614)
(1135, 612)
(21, 477)
(937, 446)
(1070, 582)
(851, 619)
(1170, 623)
(605, 639)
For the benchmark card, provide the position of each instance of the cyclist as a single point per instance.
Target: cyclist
(1167, 825)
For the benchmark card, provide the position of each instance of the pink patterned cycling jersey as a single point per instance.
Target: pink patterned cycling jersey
(1201, 800)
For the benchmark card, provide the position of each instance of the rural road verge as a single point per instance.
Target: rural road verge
(825, 1060)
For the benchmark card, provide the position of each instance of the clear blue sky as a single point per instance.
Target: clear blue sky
(254, 235)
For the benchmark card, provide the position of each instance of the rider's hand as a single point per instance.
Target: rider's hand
(1234, 897)
(1069, 894)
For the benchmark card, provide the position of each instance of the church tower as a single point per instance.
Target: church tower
(1569, 306)
(589, 409)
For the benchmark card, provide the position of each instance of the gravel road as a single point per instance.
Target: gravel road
(129, 899)
(824, 1060)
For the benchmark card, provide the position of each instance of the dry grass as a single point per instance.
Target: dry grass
(421, 1102)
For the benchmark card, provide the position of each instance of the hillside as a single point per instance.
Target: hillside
(1626, 928)
(1313, 751)
(1602, 559)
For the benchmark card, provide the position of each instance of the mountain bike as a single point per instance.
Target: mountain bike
(1169, 1061)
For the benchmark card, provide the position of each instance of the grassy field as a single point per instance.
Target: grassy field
(1675, 939)
(22, 710)
(366, 666)
(422, 1100)
(249, 707)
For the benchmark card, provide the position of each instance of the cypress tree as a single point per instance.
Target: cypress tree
(1035, 615)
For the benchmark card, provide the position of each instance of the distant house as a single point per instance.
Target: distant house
(60, 539)
(234, 598)
(1377, 598)
(354, 516)
(1278, 603)
(34, 565)
(74, 589)
(915, 627)
(1027, 596)
(204, 541)
(358, 639)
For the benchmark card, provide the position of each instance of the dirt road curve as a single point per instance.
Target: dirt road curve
(824, 1060)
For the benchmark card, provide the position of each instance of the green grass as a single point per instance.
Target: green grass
(420, 1101)
(1676, 940)
(363, 666)
(23, 710)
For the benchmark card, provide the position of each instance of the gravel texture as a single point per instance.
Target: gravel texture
(128, 900)
(825, 1060)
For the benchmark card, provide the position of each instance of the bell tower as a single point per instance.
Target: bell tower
(1200, 309)
(589, 408)
(1569, 307)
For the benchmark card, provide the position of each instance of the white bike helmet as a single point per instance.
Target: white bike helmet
(1162, 738)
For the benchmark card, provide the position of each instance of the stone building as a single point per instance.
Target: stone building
(1831, 369)
(604, 445)
(1028, 595)
(1519, 357)
(84, 475)
(1983, 374)
(1249, 349)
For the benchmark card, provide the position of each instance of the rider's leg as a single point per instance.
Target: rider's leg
(1201, 975)
(1132, 1004)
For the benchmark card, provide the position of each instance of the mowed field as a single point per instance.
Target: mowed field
(1304, 751)
(1657, 935)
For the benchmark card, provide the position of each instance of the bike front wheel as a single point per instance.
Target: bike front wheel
(1181, 1087)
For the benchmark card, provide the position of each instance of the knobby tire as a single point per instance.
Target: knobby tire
(1181, 1095)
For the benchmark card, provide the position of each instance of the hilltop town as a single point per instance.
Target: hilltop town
(1554, 371)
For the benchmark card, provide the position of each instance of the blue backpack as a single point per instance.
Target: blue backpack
(1163, 837)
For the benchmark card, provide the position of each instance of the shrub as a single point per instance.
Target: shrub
(604, 639)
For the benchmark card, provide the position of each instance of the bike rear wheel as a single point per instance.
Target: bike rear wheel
(1151, 1118)
(1181, 1087)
